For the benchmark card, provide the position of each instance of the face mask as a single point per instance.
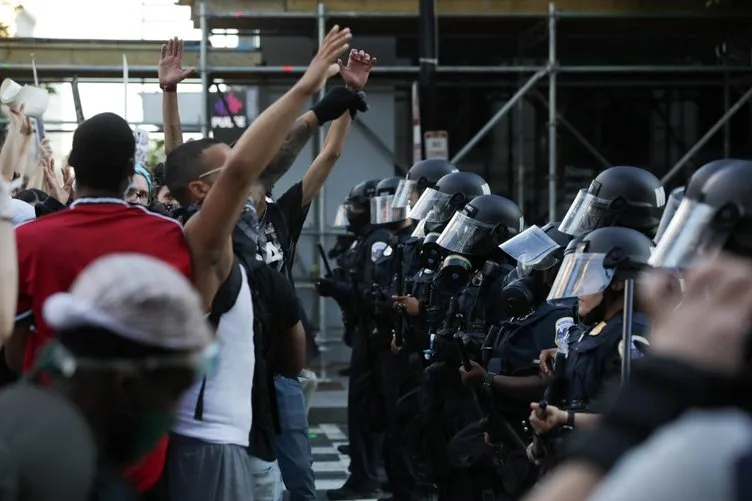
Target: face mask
(521, 295)
(169, 209)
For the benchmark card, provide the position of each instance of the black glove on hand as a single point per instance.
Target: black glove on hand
(337, 101)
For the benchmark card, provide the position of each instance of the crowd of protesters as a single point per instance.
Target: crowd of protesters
(155, 348)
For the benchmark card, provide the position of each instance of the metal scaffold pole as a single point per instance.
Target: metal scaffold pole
(552, 69)
(321, 206)
(204, 69)
(498, 116)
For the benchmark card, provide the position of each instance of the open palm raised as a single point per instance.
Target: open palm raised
(358, 67)
(171, 71)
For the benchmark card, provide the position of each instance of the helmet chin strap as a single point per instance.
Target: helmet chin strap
(598, 314)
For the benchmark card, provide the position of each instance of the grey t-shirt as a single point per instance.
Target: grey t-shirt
(701, 457)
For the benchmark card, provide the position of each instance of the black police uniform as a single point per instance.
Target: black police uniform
(365, 413)
(594, 359)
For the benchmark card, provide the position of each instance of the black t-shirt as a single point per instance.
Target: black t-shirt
(281, 226)
(279, 309)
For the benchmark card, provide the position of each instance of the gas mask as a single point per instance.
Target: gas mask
(357, 220)
(430, 253)
(454, 274)
(523, 292)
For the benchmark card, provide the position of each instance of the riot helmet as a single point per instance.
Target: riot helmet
(538, 252)
(672, 205)
(696, 182)
(355, 211)
(625, 196)
(484, 223)
(382, 210)
(422, 175)
(597, 262)
(437, 205)
(716, 216)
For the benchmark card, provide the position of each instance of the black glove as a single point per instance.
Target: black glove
(327, 287)
(338, 100)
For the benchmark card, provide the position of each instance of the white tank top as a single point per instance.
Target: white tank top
(228, 412)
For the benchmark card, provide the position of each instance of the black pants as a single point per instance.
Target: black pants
(395, 372)
(363, 418)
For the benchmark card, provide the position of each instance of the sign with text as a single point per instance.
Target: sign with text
(229, 115)
(437, 144)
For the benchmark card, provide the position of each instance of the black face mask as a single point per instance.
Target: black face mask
(169, 209)
(520, 296)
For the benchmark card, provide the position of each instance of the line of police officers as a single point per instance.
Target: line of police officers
(479, 344)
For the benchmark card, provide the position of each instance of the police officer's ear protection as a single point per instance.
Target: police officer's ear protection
(53, 359)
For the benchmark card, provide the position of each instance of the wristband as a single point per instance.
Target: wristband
(168, 88)
(570, 419)
(488, 380)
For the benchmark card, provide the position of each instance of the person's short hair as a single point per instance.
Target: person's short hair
(185, 164)
(103, 151)
(158, 173)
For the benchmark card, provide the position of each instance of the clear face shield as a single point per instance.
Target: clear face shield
(463, 233)
(420, 230)
(585, 214)
(406, 194)
(672, 205)
(581, 274)
(689, 236)
(532, 249)
(382, 210)
(433, 207)
(340, 220)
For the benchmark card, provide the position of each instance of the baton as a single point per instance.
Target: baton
(324, 260)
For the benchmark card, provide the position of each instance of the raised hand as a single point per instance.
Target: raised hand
(358, 67)
(20, 121)
(324, 64)
(171, 71)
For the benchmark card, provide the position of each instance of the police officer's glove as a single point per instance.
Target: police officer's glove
(338, 291)
(337, 101)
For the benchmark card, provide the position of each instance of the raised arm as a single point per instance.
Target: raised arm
(8, 265)
(17, 141)
(210, 228)
(171, 73)
(355, 75)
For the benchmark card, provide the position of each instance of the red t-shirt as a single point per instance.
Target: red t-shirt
(53, 250)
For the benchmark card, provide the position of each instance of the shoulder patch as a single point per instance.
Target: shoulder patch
(387, 252)
(377, 249)
(639, 347)
(561, 329)
(597, 329)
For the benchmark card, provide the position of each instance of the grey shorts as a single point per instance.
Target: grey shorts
(202, 471)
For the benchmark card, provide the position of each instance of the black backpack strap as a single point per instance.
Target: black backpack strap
(223, 302)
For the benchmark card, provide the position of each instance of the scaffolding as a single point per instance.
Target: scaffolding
(291, 23)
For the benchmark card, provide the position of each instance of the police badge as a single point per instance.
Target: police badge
(377, 249)
(561, 330)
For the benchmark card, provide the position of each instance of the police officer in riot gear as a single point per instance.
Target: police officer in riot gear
(355, 293)
(422, 175)
(508, 373)
(629, 197)
(476, 232)
(696, 182)
(437, 205)
(712, 217)
(594, 270)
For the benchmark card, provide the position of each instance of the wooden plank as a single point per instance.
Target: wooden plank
(16, 51)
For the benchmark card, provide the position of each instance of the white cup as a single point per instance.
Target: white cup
(35, 99)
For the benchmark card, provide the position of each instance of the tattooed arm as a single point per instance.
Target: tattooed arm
(322, 166)
(296, 139)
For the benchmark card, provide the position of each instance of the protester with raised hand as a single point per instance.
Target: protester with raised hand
(17, 143)
(213, 183)
(8, 264)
